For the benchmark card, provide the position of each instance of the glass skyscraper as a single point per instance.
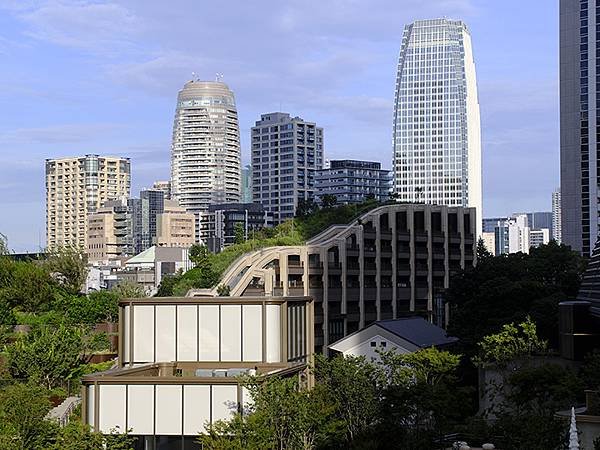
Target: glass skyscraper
(206, 156)
(580, 123)
(436, 135)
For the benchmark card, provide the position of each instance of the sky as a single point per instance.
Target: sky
(92, 76)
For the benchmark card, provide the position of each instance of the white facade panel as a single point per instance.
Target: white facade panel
(165, 333)
(168, 409)
(231, 333)
(273, 329)
(111, 404)
(224, 402)
(209, 332)
(196, 408)
(143, 333)
(252, 332)
(90, 404)
(126, 337)
(140, 409)
(187, 333)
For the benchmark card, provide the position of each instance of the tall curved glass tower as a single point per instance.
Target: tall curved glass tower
(436, 135)
(205, 153)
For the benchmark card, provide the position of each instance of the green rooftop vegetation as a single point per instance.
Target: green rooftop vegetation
(310, 221)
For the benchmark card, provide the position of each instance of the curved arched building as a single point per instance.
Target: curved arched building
(393, 261)
(436, 134)
(205, 154)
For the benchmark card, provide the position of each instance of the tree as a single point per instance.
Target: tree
(199, 254)
(239, 233)
(69, 266)
(306, 207)
(3, 245)
(26, 285)
(97, 307)
(279, 416)
(352, 386)
(49, 354)
(482, 251)
(22, 411)
(512, 342)
(328, 200)
(79, 436)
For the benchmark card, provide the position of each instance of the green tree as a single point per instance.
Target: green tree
(199, 255)
(482, 251)
(306, 207)
(512, 342)
(49, 354)
(69, 266)
(328, 200)
(79, 436)
(239, 233)
(3, 245)
(26, 285)
(22, 411)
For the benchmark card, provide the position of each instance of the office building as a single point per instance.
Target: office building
(556, 217)
(109, 233)
(539, 237)
(353, 181)
(76, 187)
(219, 224)
(490, 224)
(393, 261)
(180, 360)
(164, 186)
(175, 227)
(247, 184)
(286, 154)
(144, 211)
(489, 241)
(206, 156)
(436, 133)
(579, 127)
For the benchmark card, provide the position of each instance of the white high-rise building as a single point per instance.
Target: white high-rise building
(205, 156)
(436, 135)
(556, 217)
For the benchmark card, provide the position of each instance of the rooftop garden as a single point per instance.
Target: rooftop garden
(310, 221)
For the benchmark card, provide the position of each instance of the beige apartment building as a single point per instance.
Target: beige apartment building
(109, 232)
(175, 227)
(76, 187)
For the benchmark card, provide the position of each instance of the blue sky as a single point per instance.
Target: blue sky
(81, 76)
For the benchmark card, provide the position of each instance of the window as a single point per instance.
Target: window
(373, 344)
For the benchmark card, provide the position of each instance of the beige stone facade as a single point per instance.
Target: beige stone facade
(76, 187)
(175, 227)
(108, 233)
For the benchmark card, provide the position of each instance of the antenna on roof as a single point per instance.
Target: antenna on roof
(218, 77)
(194, 76)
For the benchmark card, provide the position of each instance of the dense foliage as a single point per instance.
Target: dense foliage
(508, 288)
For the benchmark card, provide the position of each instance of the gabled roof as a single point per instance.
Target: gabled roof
(418, 331)
(146, 257)
(404, 331)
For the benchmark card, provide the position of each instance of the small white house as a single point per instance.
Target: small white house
(404, 335)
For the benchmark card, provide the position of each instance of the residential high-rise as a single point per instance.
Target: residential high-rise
(353, 181)
(556, 217)
(436, 133)
(76, 187)
(206, 156)
(286, 154)
(517, 233)
(175, 227)
(144, 211)
(164, 186)
(579, 124)
(247, 184)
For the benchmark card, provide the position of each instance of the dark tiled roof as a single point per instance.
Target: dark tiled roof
(418, 331)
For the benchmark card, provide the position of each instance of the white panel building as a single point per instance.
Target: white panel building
(179, 359)
(436, 133)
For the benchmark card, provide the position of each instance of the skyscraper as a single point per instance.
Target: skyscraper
(205, 158)
(556, 217)
(144, 211)
(286, 154)
(579, 124)
(76, 187)
(436, 134)
(247, 184)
